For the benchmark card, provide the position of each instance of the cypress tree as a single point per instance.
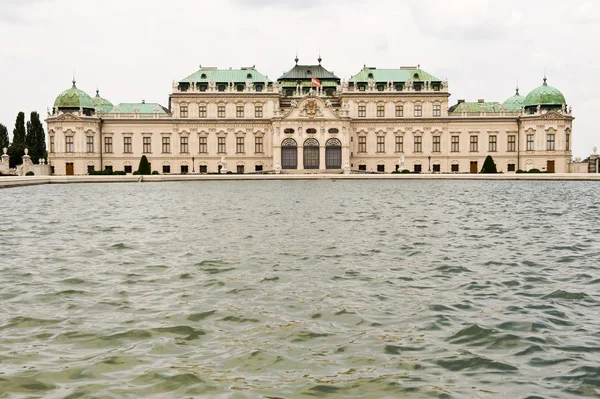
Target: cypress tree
(17, 148)
(144, 168)
(4, 143)
(489, 166)
(36, 138)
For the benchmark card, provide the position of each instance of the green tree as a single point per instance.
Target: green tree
(489, 166)
(36, 138)
(4, 142)
(17, 148)
(144, 168)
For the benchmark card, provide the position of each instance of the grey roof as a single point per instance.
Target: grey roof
(307, 72)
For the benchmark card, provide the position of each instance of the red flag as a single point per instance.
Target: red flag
(315, 82)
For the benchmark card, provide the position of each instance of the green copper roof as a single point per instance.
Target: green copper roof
(544, 95)
(476, 107)
(74, 98)
(515, 102)
(393, 75)
(307, 72)
(101, 104)
(226, 75)
(139, 108)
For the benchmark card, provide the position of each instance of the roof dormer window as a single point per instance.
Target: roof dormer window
(370, 76)
(308, 72)
(203, 76)
(249, 76)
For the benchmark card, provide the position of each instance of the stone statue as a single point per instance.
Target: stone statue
(338, 89)
(401, 163)
(294, 103)
(371, 84)
(249, 86)
(595, 149)
(345, 84)
(224, 163)
(445, 84)
(212, 85)
(26, 151)
(328, 103)
(277, 168)
(5, 150)
(570, 109)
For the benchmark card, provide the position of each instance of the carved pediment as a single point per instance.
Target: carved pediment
(67, 117)
(552, 115)
(311, 107)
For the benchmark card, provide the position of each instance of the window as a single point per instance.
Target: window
(221, 88)
(437, 110)
(203, 147)
(417, 168)
(69, 146)
(380, 87)
(221, 111)
(51, 143)
(239, 145)
(240, 87)
(454, 144)
(202, 111)
(166, 145)
(311, 131)
(221, 145)
(127, 145)
(166, 168)
(362, 167)
(511, 167)
(381, 168)
(89, 141)
(418, 111)
(530, 142)
(437, 144)
(399, 144)
(512, 143)
(567, 144)
(550, 141)
(90, 168)
(258, 144)
(183, 169)
(183, 111)
(147, 145)
(289, 131)
(183, 145)
(108, 167)
(258, 88)
(362, 111)
(333, 130)
(128, 169)
(239, 168)
(380, 111)
(474, 144)
(437, 168)
(258, 168)
(454, 167)
(493, 147)
(108, 145)
(362, 143)
(239, 111)
(258, 111)
(380, 143)
(203, 169)
(418, 143)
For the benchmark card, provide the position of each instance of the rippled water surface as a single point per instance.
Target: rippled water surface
(301, 289)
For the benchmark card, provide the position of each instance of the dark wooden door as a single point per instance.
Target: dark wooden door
(473, 167)
(550, 167)
(70, 169)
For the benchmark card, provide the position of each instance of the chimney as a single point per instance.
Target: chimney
(461, 101)
(143, 101)
(481, 100)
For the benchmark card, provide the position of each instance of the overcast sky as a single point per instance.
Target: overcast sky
(134, 49)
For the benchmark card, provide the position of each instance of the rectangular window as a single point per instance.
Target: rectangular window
(512, 143)
(380, 143)
(454, 168)
(530, 142)
(203, 169)
(183, 111)
(51, 143)
(399, 144)
(437, 110)
(202, 111)
(474, 141)
(418, 144)
(166, 168)
(511, 167)
(183, 169)
(239, 111)
(380, 111)
(127, 145)
(147, 145)
(258, 145)
(362, 111)
(183, 145)
(90, 168)
(454, 144)
(221, 111)
(417, 168)
(166, 145)
(437, 167)
(550, 141)
(399, 111)
(418, 111)
(258, 111)
(362, 143)
(89, 141)
(567, 143)
(203, 148)
(128, 169)
(221, 145)
(437, 144)
(69, 145)
(108, 148)
(493, 144)
(239, 168)
(239, 145)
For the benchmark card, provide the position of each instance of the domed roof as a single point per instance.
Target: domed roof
(102, 104)
(74, 98)
(545, 95)
(515, 102)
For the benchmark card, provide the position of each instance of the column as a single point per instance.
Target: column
(322, 164)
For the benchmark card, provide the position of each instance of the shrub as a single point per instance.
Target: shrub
(489, 166)
(396, 172)
(521, 171)
(229, 172)
(136, 173)
(535, 171)
(119, 172)
(155, 172)
(405, 171)
(30, 173)
(144, 167)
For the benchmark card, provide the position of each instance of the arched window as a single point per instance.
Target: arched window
(370, 76)
(249, 76)
(311, 131)
(333, 130)
(380, 87)
(240, 87)
(308, 72)
(203, 76)
(221, 88)
(289, 131)
(416, 76)
(311, 154)
(289, 154)
(258, 88)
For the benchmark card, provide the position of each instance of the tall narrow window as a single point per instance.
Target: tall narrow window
(127, 145)
(362, 111)
(183, 111)
(474, 141)
(69, 144)
(418, 111)
(166, 145)
(239, 145)
(183, 145)
(512, 143)
(221, 111)
(399, 111)
(567, 143)
(550, 141)
(380, 143)
(437, 144)
(239, 111)
(530, 142)
(89, 143)
(203, 147)
(381, 111)
(221, 149)
(51, 143)
(362, 143)
(454, 144)
(399, 144)
(147, 145)
(493, 145)
(258, 144)
(258, 111)
(108, 145)
(437, 110)
(418, 143)
(202, 111)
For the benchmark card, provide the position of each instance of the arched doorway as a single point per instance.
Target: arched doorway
(289, 154)
(333, 154)
(311, 154)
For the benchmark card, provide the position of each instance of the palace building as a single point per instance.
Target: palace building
(310, 120)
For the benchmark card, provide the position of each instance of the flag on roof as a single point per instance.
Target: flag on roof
(315, 82)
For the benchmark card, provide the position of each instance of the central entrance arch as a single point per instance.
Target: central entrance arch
(311, 154)
(289, 154)
(333, 154)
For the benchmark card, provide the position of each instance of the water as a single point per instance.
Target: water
(301, 289)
